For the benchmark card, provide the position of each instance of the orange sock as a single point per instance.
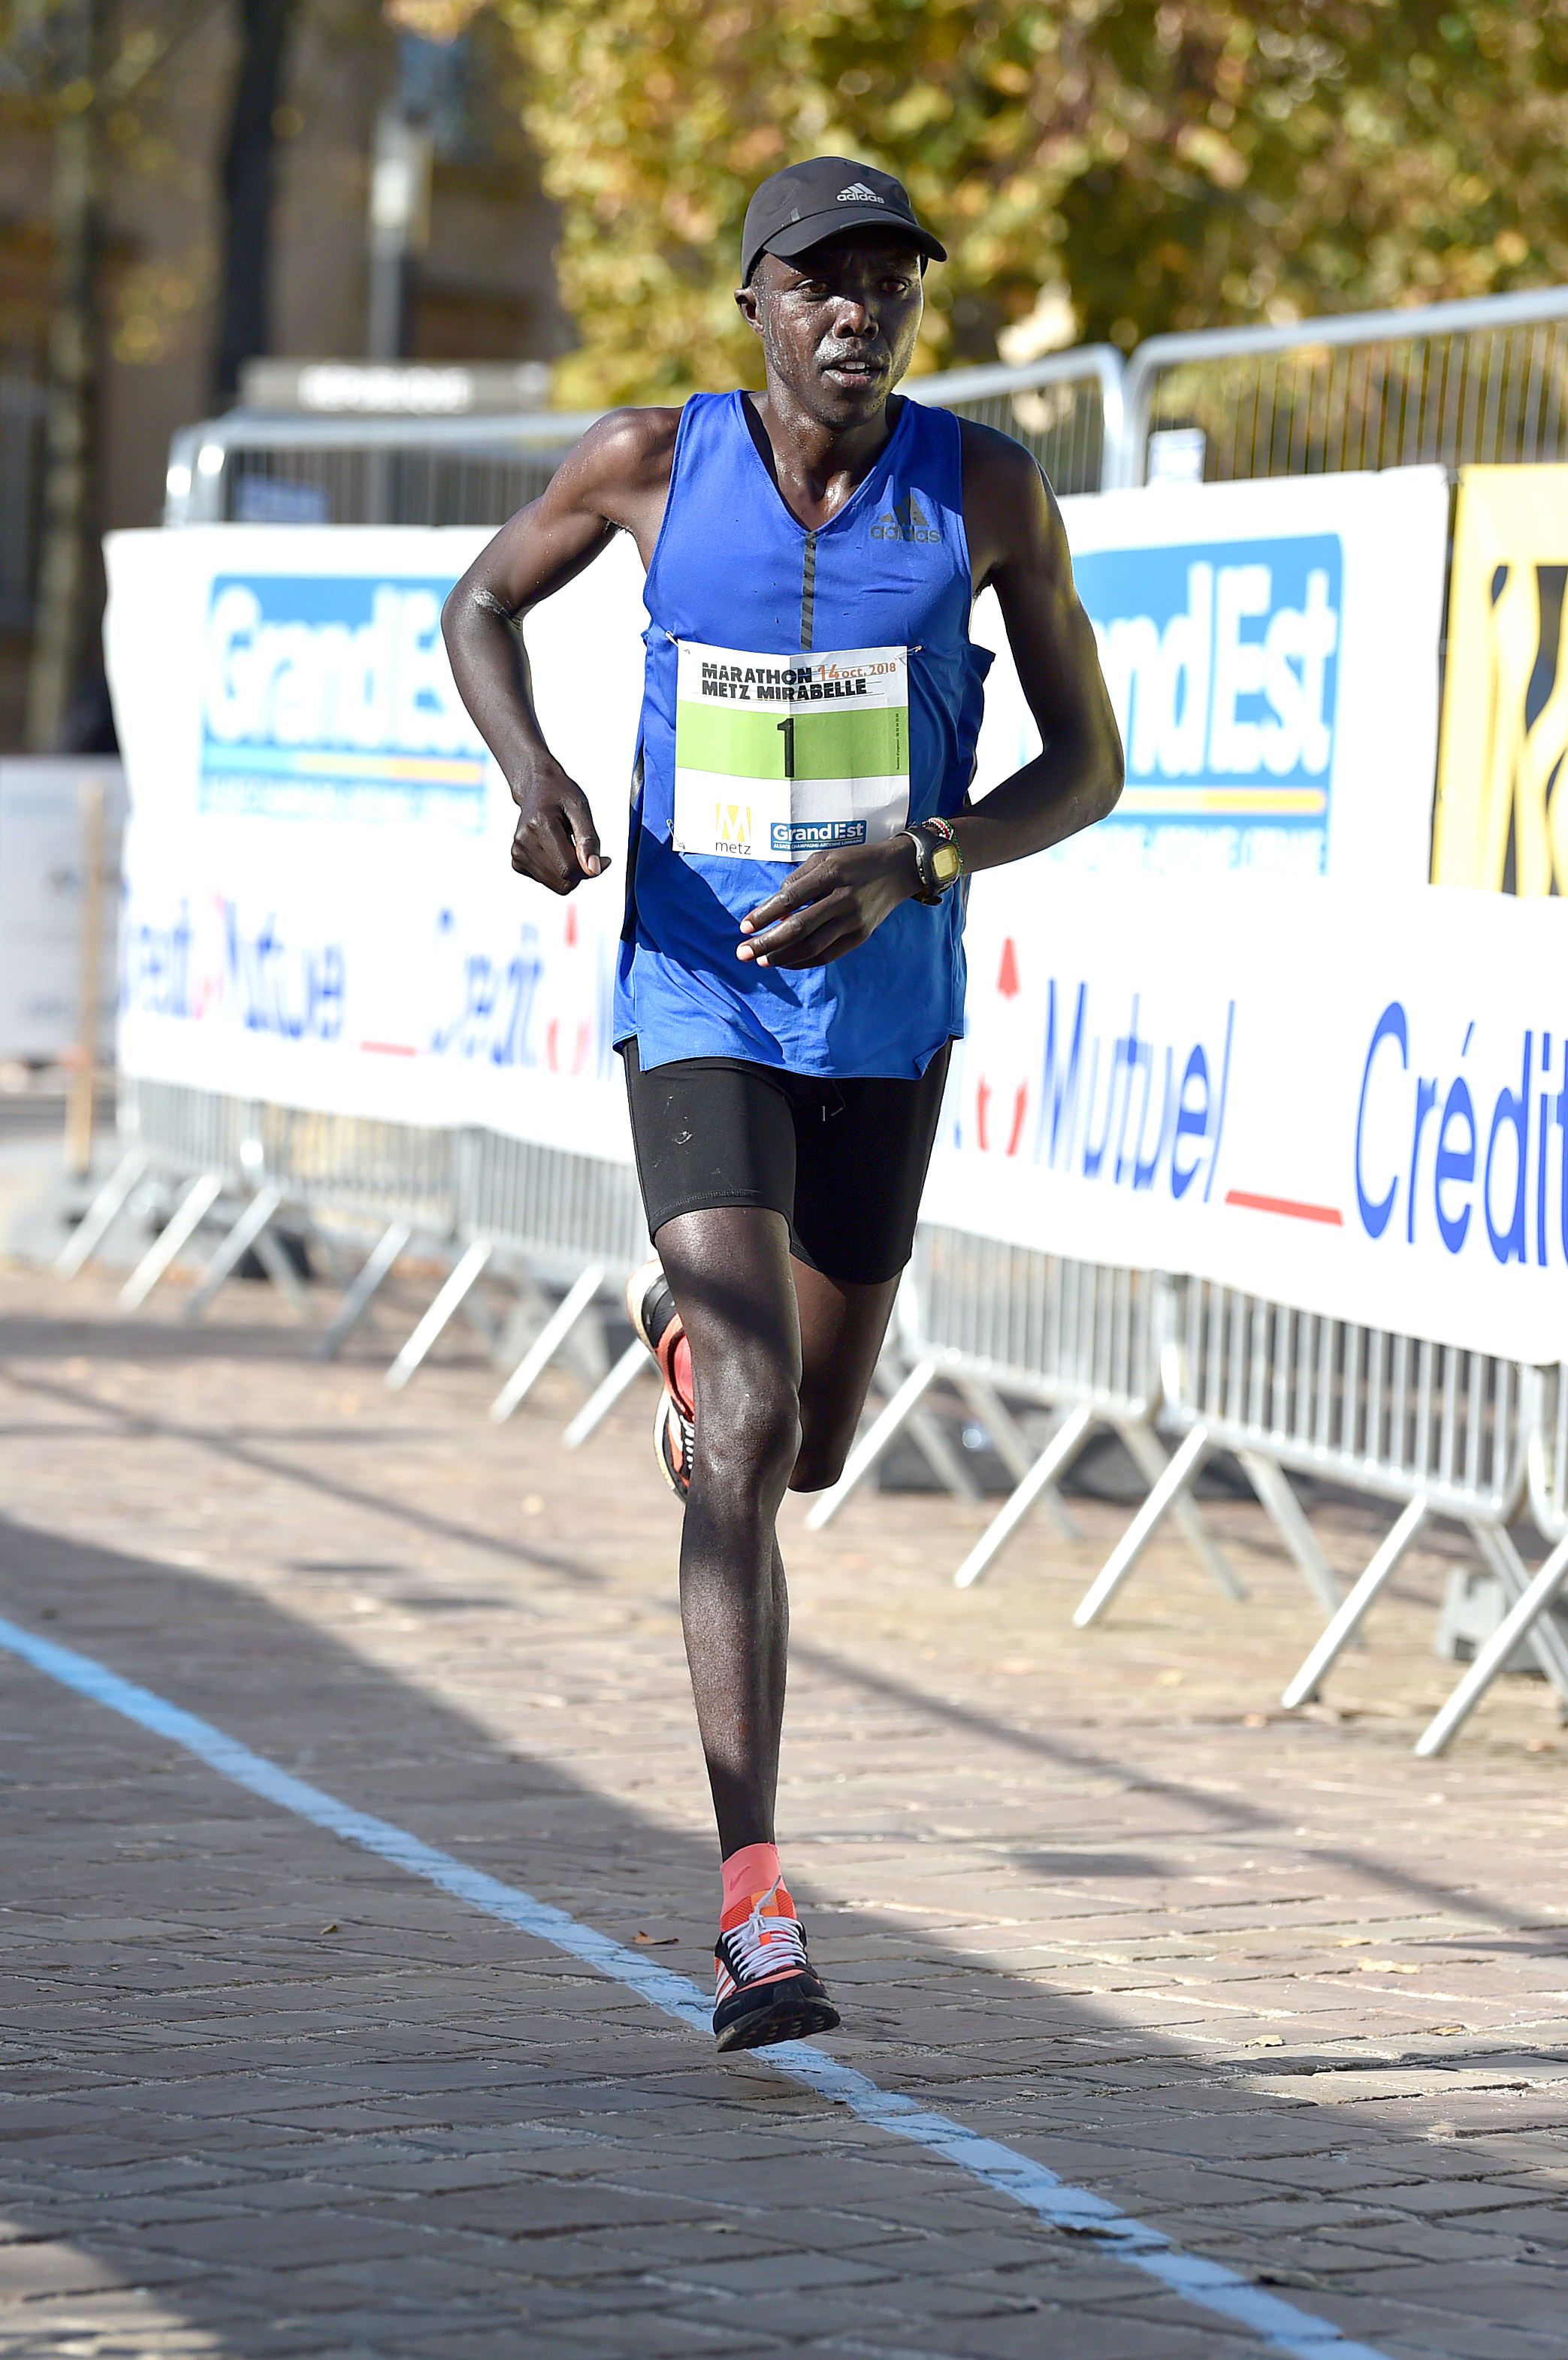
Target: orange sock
(748, 1875)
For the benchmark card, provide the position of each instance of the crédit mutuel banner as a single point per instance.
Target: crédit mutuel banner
(1354, 1103)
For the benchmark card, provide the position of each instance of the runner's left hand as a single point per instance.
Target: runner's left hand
(829, 905)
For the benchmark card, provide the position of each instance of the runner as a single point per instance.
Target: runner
(792, 973)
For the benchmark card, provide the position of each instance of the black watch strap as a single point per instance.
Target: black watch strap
(939, 859)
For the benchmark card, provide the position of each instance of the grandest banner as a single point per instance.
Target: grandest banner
(1345, 1097)
(319, 905)
(1270, 649)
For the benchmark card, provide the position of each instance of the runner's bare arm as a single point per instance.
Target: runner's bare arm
(616, 480)
(1017, 547)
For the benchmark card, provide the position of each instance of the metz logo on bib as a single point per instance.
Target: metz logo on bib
(779, 757)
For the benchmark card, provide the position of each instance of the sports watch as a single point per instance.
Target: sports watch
(938, 857)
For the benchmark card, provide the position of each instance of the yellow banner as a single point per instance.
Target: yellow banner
(1501, 819)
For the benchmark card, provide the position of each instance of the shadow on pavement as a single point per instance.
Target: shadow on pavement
(305, 2103)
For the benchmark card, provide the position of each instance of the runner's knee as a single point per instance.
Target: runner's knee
(748, 1424)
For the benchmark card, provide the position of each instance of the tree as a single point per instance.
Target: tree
(249, 173)
(60, 65)
(67, 62)
(1168, 163)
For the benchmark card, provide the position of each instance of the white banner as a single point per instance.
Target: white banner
(1353, 1103)
(320, 906)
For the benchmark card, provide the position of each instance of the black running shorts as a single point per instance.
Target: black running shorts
(844, 1162)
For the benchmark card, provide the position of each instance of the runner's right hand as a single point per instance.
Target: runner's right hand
(555, 841)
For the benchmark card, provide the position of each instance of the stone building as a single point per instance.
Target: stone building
(483, 288)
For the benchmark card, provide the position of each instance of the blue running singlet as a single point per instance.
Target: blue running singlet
(803, 689)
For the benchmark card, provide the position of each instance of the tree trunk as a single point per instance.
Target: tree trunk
(243, 324)
(62, 623)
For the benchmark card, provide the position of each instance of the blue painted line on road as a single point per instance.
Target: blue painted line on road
(1279, 2325)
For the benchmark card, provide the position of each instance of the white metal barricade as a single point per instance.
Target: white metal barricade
(576, 1218)
(336, 1173)
(264, 467)
(358, 1177)
(1442, 1430)
(997, 1320)
(1484, 379)
(1066, 407)
(1529, 1616)
(198, 1144)
(259, 467)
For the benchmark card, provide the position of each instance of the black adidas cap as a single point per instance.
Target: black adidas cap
(800, 206)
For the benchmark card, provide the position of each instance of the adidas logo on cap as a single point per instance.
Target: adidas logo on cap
(857, 193)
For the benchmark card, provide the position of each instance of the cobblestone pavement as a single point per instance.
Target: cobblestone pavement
(1266, 1982)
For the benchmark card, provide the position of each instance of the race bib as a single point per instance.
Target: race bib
(779, 757)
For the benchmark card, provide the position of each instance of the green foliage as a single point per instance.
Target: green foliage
(1170, 163)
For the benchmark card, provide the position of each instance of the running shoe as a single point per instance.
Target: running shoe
(674, 1439)
(650, 1307)
(766, 1987)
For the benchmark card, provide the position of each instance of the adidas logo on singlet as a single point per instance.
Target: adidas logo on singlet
(903, 521)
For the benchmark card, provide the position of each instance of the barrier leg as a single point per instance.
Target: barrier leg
(871, 1445)
(446, 1303)
(273, 1256)
(547, 1342)
(945, 1463)
(1547, 1643)
(1149, 1458)
(1058, 1455)
(484, 1327)
(1014, 1448)
(192, 1207)
(356, 1299)
(93, 1226)
(1178, 1475)
(1304, 1686)
(1522, 1621)
(1273, 1485)
(244, 1234)
(607, 1393)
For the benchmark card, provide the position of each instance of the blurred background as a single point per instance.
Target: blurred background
(551, 190)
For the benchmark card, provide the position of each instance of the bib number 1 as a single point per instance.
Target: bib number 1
(779, 757)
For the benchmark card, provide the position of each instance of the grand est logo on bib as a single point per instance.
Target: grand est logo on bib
(779, 757)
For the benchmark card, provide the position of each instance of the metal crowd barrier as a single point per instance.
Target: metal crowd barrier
(995, 1319)
(1444, 1431)
(1530, 1617)
(1482, 380)
(1065, 408)
(261, 467)
(396, 1182)
(253, 466)
(338, 1171)
(577, 1220)
(196, 1143)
